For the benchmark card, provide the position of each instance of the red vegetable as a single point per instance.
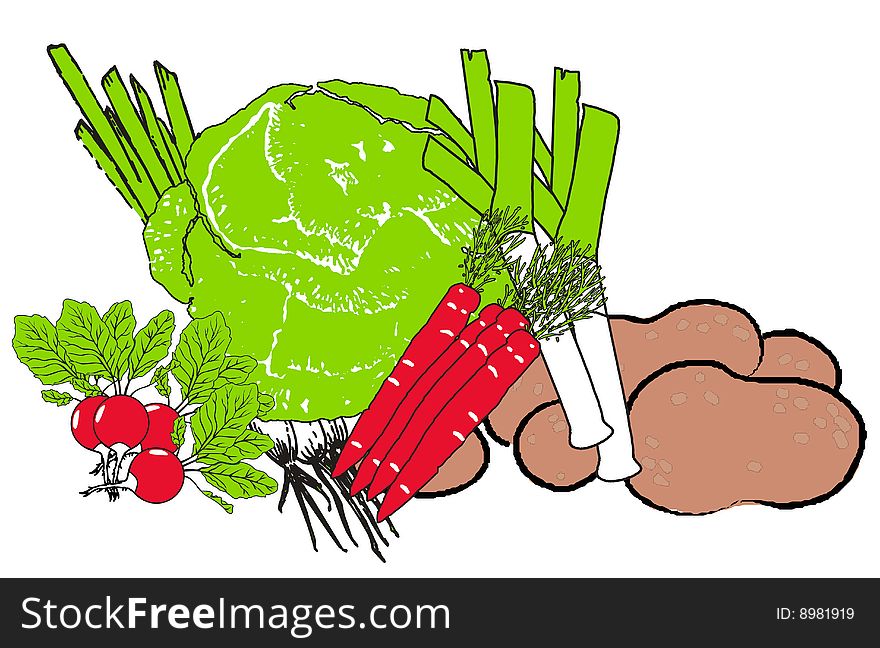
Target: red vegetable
(418, 393)
(402, 446)
(438, 333)
(82, 422)
(121, 419)
(159, 475)
(161, 426)
(459, 418)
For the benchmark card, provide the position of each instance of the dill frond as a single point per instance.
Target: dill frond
(495, 235)
(556, 288)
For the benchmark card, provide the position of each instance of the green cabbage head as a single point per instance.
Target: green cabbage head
(308, 220)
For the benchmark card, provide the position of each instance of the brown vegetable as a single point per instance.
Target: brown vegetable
(461, 470)
(790, 353)
(696, 330)
(543, 452)
(708, 439)
(534, 388)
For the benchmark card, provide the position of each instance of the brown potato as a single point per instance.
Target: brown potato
(534, 388)
(697, 330)
(461, 470)
(790, 353)
(543, 452)
(708, 439)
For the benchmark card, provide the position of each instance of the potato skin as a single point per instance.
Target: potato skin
(692, 330)
(544, 455)
(462, 469)
(791, 353)
(708, 439)
(697, 330)
(759, 420)
(533, 389)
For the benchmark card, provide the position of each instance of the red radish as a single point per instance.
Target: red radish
(162, 420)
(121, 419)
(82, 422)
(159, 475)
(472, 403)
(396, 450)
(438, 333)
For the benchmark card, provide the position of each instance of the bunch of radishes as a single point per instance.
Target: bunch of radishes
(136, 445)
(107, 360)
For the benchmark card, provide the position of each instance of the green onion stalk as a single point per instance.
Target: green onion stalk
(555, 275)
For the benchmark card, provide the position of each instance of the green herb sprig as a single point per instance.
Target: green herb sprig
(556, 288)
(497, 233)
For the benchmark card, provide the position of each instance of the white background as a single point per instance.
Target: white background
(747, 171)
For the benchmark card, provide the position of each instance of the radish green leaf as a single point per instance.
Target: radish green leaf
(265, 403)
(226, 411)
(219, 500)
(160, 380)
(119, 318)
(87, 340)
(232, 446)
(178, 433)
(36, 345)
(200, 356)
(239, 480)
(82, 385)
(58, 398)
(235, 370)
(151, 344)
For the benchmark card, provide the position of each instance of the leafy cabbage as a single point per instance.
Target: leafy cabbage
(307, 219)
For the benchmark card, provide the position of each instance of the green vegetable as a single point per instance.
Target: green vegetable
(199, 357)
(123, 108)
(120, 320)
(178, 116)
(87, 339)
(469, 185)
(556, 288)
(160, 380)
(556, 285)
(227, 411)
(82, 384)
(497, 233)
(233, 446)
(481, 107)
(566, 122)
(239, 480)
(159, 135)
(219, 500)
(178, 434)
(151, 344)
(236, 370)
(265, 404)
(100, 137)
(36, 345)
(305, 217)
(442, 117)
(592, 177)
(58, 398)
(516, 151)
(85, 349)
